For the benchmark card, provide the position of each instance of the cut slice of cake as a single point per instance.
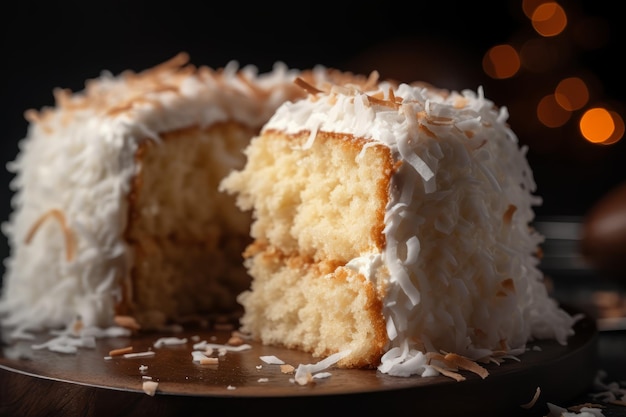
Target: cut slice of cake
(116, 208)
(393, 223)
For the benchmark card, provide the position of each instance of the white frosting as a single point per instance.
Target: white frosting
(366, 265)
(462, 278)
(78, 159)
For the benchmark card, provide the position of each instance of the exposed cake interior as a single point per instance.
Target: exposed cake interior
(185, 236)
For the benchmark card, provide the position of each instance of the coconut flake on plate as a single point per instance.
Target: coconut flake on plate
(305, 372)
(204, 345)
(169, 341)
(272, 360)
(150, 387)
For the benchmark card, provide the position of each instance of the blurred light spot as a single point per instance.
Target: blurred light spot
(618, 132)
(597, 125)
(538, 56)
(549, 19)
(501, 61)
(529, 6)
(571, 93)
(550, 113)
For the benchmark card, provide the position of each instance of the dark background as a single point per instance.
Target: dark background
(61, 44)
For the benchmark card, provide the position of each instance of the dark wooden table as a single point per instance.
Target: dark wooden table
(45, 383)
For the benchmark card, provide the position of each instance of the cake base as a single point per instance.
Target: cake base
(41, 382)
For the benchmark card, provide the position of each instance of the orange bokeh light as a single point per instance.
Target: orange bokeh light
(501, 61)
(597, 125)
(550, 113)
(572, 93)
(618, 132)
(549, 19)
(529, 6)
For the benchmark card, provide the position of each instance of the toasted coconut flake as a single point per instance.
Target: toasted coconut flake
(508, 285)
(440, 120)
(177, 61)
(464, 363)
(427, 131)
(306, 86)
(504, 347)
(455, 361)
(127, 322)
(257, 90)
(62, 96)
(32, 116)
(388, 103)
(446, 372)
(77, 326)
(533, 401)
(209, 361)
(577, 408)
(240, 334)
(235, 341)
(392, 96)
(508, 214)
(287, 369)
(460, 102)
(121, 351)
(372, 81)
(70, 240)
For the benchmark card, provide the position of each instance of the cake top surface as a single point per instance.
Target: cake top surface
(393, 114)
(172, 95)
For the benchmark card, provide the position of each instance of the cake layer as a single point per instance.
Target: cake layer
(326, 202)
(184, 236)
(315, 307)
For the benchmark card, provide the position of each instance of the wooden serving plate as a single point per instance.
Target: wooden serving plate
(45, 383)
